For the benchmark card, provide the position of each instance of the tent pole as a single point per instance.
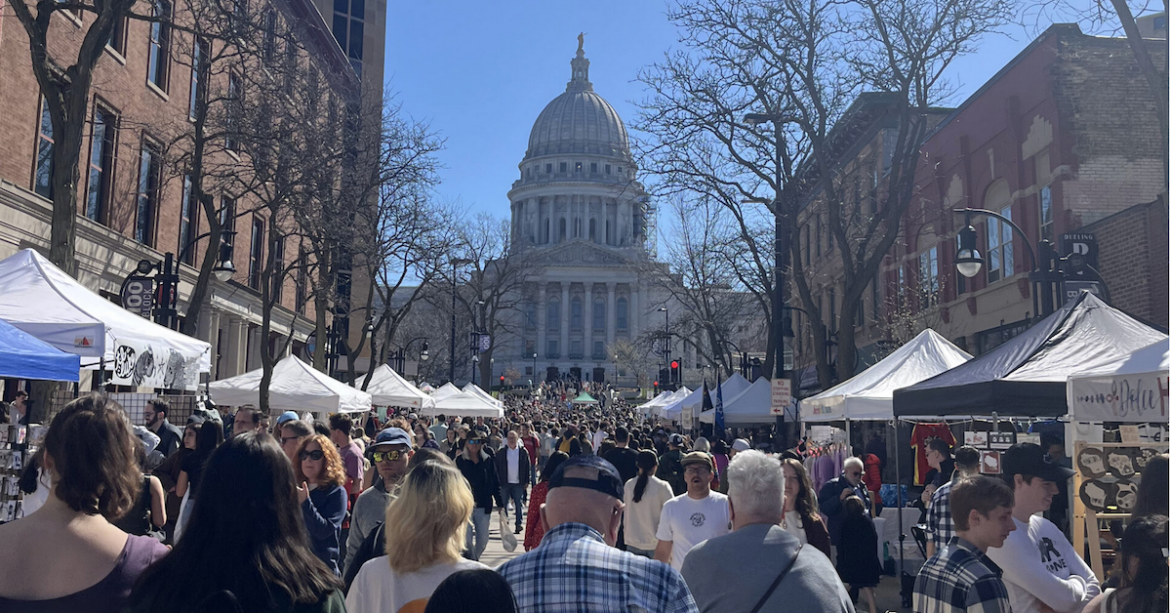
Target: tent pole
(101, 373)
(901, 503)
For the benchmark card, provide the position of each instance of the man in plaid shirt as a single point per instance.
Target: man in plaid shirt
(576, 567)
(960, 578)
(939, 523)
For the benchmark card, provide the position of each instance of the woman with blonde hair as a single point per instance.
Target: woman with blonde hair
(320, 478)
(425, 530)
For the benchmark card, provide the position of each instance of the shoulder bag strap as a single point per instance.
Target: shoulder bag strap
(779, 578)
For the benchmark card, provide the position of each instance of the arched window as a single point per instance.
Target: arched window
(1000, 256)
(554, 314)
(623, 314)
(598, 314)
(576, 228)
(530, 315)
(575, 314)
(561, 234)
(593, 230)
(544, 237)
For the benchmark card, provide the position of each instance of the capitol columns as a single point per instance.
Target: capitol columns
(611, 313)
(541, 323)
(565, 308)
(587, 325)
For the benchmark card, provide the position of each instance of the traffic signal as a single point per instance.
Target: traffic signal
(501, 379)
(655, 387)
(675, 375)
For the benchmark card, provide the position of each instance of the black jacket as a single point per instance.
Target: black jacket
(501, 460)
(170, 438)
(481, 476)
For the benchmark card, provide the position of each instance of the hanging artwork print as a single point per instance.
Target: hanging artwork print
(1110, 476)
(143, 366)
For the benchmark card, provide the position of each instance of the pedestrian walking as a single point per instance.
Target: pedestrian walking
(693, 517)
(513, 467)
(857, 561)
(389, 454)
(645, 495)
(802, 518)
(480, 471)
(534, 530)
(209, 438)
(320, 477)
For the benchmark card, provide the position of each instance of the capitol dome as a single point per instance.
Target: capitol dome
(579, 121)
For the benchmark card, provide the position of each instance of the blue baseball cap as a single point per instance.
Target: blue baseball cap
(286, 416)
(392, 436)
(600, 476)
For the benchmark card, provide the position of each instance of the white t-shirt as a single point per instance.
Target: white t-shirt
(792, 525)
(513, 457)
(1040, 566)
(598, 437)
(377, 589)
(686, 522)
(641, 518)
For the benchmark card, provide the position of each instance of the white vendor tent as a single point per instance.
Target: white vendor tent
(752, 406)
(732, 387)
(674, 397)
(646, 407)
(674, 410)
(295, 386)
(870, 395)
(39, 298)
(478, 392)
(388, 388)
(1131, 388)
(450, 400)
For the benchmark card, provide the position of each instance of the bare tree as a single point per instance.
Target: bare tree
(632, 357)
(800, 64)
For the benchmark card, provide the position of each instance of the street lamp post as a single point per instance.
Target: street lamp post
(168, 275)
(455, 262)
(534, 369)
(777, 122)
(670, 376)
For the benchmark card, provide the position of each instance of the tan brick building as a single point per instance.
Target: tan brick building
(131, 205)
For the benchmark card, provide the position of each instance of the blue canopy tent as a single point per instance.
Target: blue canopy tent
(23, 356)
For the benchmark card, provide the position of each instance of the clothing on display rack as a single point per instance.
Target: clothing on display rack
(824, 463)
(918, 437)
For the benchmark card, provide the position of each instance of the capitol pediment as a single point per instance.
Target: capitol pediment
(581, 253)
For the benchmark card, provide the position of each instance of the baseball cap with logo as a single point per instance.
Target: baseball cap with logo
(392, 436)
(589, 472)
(677, 440)
(1030, 459)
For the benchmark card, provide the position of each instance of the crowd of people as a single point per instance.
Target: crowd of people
(617, 512)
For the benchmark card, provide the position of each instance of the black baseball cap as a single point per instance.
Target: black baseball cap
(1030, 459)
(599, 476)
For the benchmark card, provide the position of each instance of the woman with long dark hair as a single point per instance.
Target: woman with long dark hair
(209, 437)
(534, 530)
(1153, 494)
(1143, 570)
(802, 518)
(320, 477)
(246, 548)
(645, 495)
(68, 556)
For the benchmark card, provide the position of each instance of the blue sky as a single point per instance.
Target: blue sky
(480, 73)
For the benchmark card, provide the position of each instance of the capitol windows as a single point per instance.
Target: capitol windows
(598, 350)
(577, 167)
(530, 315)
(607, 169)
(561, 230)
(564, 167)
(548, 169)
(575, 314)
(593, 230)
(623, 314)
(598, 314)
(593, 167)
(553, 349)
(575, 350)
(554, 314)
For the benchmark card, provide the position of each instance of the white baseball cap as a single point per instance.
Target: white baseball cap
(741, 445)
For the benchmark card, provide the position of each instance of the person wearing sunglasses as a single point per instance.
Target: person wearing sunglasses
(389, 455)
(320, 476)
(479, 469)
(833, 494)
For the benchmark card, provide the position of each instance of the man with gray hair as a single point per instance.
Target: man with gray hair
(834, 493)
(760, 566)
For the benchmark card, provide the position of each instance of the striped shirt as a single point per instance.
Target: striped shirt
(960, 579)
(575, 571)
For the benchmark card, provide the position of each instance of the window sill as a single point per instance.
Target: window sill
(118, 57)
(157, 91)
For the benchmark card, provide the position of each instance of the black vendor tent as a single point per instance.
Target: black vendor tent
(1027, 375)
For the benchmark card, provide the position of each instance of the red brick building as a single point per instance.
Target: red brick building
(132, 205)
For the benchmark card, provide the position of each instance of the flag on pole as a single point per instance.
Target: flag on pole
(720, 429)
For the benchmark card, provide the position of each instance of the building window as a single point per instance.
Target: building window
(159, 55)
(202, 55)
(819, 233)
(928, 283)
(577, 167)
(349, 30)
(269, 35)
(598, 315)
(1000, 259)
(101, 161)
(623, 312)
(227, 214)
(807, 247)
(575, 314)
(278, 271)
(593, 167)
(302, 280)
(833, 309)
(149, 172)
(598, 350)
(553, 347)
(117, 40)
(256, 253)
(608, 169)
(575, 349)
(564, 167)
(561, 227)
(1046, 223)
(186, 223)
(235, 103)
(554, 314)
(548, 169)
(43, 175)
(593, 230)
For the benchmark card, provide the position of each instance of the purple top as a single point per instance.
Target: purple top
(106, 596)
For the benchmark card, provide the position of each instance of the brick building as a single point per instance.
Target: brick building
(1061, 140)
(132, 204)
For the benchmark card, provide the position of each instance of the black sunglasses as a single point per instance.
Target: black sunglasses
(474, 441)
(314, 455)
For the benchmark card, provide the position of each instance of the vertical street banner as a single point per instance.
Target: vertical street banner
(720, 429)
